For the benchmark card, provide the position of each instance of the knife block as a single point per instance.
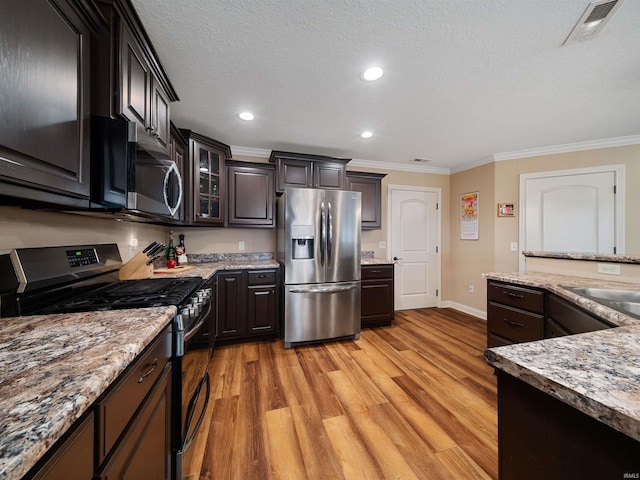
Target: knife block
(136, 268)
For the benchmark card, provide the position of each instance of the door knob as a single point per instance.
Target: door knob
(396, 258)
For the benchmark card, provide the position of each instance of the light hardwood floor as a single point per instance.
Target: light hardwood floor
(414, 400)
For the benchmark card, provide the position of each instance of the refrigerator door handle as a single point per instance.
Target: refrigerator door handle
(323, 233)
(330, 233)
(324, 289)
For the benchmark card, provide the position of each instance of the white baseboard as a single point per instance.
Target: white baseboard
(464, 308)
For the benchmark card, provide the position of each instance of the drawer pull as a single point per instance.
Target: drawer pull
(513, 323)
(262, 276)
(376, 271)
(512, 295)
(144, 375)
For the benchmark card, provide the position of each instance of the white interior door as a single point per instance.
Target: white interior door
(414, 241)
(571, 211)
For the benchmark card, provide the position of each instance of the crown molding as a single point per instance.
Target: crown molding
(250, 152)
(398, 166)
(569, 147)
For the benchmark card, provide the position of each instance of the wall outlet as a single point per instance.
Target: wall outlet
(382, 244)
(470, 287)
(609, 268)
(514, 246)
(241, 245)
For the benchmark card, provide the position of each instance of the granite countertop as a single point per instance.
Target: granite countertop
(598, 373)
(53, 367)
(591, 257)
(207, 270)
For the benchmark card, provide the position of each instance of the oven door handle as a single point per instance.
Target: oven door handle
(189, 335)
(190, 413)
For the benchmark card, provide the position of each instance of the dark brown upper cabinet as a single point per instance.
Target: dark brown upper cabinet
(250, 194)
(127, 73)
(301, 170)
(370, 185)
(205, 182)
(45, 101)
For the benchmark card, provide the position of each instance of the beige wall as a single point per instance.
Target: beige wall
(471, 258)
(22, 228)
(508, 185)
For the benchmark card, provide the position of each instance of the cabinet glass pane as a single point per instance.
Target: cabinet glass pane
(204, 183)
(215, 186)
(204, 160)
(204, 207)
(215, 162)
(215, 208)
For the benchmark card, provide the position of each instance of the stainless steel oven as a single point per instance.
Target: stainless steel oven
(84, 278)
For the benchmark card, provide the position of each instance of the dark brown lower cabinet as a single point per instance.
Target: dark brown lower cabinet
(73, 459)
(247, 304)
(542, 437)
(145, 449)
(376, 295)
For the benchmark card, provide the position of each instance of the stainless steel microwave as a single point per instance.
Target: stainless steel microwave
(131, 171)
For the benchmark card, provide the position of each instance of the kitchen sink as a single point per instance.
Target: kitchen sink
(625, 301)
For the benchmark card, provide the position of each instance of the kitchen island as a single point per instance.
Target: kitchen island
(570, 406)
(54, 367)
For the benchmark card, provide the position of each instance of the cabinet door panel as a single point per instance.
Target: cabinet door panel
(145, 450)
(136, 81)
(329, 175)
(261, 314)
(251, 196)
(160, 114)
(44, 100)
(73, 460)
(370, 186)
(294, 174)
(231, 304)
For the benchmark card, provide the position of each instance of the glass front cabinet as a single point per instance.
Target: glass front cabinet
(207, 178)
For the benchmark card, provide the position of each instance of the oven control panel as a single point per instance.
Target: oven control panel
(82, 257)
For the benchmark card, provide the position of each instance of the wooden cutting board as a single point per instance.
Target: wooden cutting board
(180, 269)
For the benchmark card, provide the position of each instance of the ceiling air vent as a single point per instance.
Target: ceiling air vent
(593, 19)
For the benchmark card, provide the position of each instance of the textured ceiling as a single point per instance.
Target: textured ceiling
(464, 79)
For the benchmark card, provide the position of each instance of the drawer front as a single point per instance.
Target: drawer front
(515, 325)
(570, 318)
(119, 405)
(372, 272)
(519, 297)
(262, 277)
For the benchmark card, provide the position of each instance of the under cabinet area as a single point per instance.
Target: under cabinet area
(300, 170)
(376, 296)
(247, 304)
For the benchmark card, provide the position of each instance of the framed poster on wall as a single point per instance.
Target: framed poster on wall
(469, 216)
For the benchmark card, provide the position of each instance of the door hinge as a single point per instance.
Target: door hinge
(437, 249)
(615, 250)
(437, 206)
(436, 292)
(615, 189)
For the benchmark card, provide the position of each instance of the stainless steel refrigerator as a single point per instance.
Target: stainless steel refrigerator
(318, 246)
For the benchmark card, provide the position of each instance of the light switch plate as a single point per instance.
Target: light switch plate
(241, 245)
(514, 246)
(382, 244)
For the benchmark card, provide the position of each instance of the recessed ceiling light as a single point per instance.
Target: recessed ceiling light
(248, 116)
(366, 134)
(373, 73)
